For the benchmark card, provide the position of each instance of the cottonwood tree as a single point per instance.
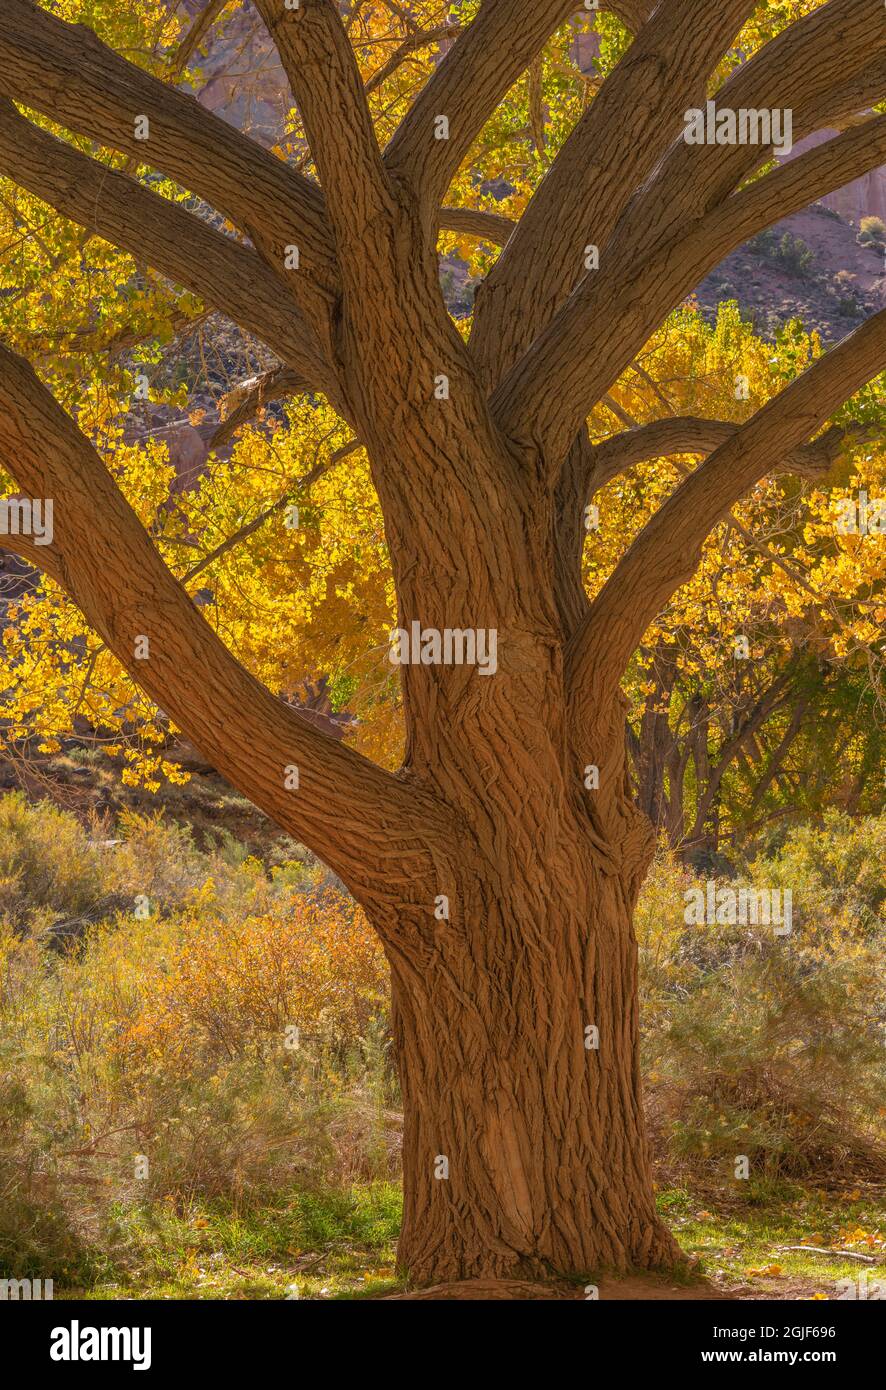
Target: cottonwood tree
(499, 873)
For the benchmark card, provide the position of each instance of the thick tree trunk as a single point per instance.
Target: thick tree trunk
(515, 1008)
(524, 1148)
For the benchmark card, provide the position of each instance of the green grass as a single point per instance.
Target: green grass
(313, 1244)
(340, 1244)
(739, 1238)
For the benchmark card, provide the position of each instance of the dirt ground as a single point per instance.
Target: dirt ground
(645, 1288)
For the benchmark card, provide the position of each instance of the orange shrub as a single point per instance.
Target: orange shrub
(229, 990)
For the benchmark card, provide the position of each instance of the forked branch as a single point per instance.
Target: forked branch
(325, 80)
(610, 315)
(613, 148)
(465, 89)
(67, 73)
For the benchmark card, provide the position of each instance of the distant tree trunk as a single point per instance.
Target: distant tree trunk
(660, 762)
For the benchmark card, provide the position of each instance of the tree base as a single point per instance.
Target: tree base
(634, 1288)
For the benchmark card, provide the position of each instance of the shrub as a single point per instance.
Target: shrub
(837, 869)
(234, 989)
(794, 255)
(791, 252)
(165, 1036)
(872, 232)
(771, 1046)
(779, 1059)
(47, 865)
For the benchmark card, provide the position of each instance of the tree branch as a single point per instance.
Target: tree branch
(230, 277)
(569, 523)
(666, 552)
(197, 32)
(776, 758)
(611, 150)
(365, 823)
(807, 69)
(485, 226)
(246, 400)
(754, 720)
(68, 74)
(632, 13)
(422, 38)
(466, 87)
(249, 528)
(42, 557)
(689, 434)
(846, 100)
(319, 61)
(608, 317)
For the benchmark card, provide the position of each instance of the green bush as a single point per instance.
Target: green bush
(791, 252)
(794, 255)
(47, 865)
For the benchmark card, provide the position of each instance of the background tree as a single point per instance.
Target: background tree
(501, 863)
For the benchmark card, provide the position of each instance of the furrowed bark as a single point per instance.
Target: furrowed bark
(547, 1167)
(326, 84)
(632, 13)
